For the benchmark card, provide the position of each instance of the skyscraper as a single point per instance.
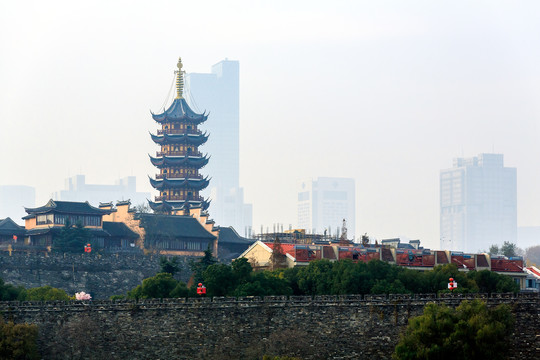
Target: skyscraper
(218, 93)
(323, 203)
(478, 203)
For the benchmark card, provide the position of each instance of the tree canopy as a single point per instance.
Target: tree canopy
(471, 331)
(72, 239)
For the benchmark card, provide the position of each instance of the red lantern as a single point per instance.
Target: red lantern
(452, 285)
(87, 248)
(201, 289)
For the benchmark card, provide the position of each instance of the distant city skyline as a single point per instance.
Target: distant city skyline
(385, 93)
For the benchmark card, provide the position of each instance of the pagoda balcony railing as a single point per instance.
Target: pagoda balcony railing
(178, 176)
(178, 153)
(180, 131)
(178, 198)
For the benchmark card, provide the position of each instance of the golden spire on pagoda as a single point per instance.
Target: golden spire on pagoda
(179, 79)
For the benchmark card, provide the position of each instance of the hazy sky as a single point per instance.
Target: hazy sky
(386, 92)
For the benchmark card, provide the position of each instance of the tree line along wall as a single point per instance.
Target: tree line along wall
(100, 275)
(320, 327)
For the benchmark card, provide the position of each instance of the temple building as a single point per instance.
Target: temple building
(179, 159)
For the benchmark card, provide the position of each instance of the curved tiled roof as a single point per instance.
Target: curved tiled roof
(175, 226)
(180, 111)
(228, 235)
(193, 139)
(195, 161)
(66, 207)
(10, 227)
(197, 184)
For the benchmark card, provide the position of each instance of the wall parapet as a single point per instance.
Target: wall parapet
(280, 299)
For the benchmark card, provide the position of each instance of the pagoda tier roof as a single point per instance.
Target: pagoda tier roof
(181, 183)
(193, 139)
(66, 207)
(194, 161)
(167, 206)
(179, 111)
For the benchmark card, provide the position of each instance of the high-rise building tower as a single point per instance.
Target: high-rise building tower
(179, 159)
(478, 203)
(218, 93)
(324, 203)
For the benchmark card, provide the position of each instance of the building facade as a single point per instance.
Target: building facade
(478, 203)
(324, 203)
(219, 93)
(179, 160)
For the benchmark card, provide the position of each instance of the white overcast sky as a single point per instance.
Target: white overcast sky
(386, 92)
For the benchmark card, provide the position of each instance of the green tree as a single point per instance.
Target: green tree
(9, 292)
(490, 282)
(198, 267)
(264, 283)
(241, 270)
(493, 250)
(157, 287)
(278, 259)
(45, 293)
(509, 249)
(170, 266)
(18, 341)
(72, 239)
(219, 280)
(471, 331)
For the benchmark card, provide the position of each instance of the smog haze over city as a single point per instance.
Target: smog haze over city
(385, 92)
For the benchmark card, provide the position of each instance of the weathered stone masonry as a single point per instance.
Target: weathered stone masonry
(101, 275)
(322, 327)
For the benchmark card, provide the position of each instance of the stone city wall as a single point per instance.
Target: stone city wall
(320, 327)
(101, 275)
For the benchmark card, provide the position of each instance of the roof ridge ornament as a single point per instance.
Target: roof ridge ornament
(179, 79)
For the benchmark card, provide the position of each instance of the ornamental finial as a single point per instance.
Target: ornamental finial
(179, 79)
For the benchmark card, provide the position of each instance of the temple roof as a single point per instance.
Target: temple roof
(66, 207)
(167, 206)
(119, 229)
(193, 139)
(10, 227)
(195, 161)
(179, 111)
(228, 235)
(175, 226)
(196, 184)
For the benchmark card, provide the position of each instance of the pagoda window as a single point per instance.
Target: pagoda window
(189, 150)
(189, 127)
(166, 127)
(164, 171)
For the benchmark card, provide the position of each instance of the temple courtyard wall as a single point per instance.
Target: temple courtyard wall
(320, 327)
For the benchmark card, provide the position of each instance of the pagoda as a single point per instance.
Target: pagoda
(179, 159)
